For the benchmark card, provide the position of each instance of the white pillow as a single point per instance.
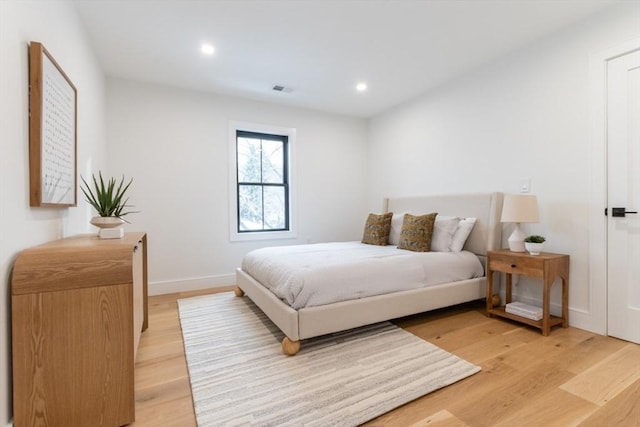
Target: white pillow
(462, 233)
(396, 228)
(443, 231)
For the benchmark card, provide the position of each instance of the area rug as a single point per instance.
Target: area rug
(240, 377)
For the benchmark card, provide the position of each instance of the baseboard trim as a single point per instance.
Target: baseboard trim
(191, 284)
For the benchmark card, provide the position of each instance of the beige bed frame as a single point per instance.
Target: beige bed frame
(320, 320)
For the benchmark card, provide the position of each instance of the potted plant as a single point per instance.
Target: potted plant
(108, 199)
(534, 244)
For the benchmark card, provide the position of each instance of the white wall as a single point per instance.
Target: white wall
(523, 116)
(57, 26)
(174, 143)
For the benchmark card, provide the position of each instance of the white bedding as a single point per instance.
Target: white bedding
(325, 273)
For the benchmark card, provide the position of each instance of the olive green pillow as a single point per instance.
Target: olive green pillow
(417, 232)
(377, 229)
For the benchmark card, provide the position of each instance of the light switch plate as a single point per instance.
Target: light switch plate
(525, 185)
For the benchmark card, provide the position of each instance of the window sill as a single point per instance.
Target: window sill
(262, 235)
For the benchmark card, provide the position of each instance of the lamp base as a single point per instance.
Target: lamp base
(516, 240)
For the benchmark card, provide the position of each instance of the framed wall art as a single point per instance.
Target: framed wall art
(52, 132)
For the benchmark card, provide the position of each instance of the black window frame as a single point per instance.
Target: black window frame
(285, 179)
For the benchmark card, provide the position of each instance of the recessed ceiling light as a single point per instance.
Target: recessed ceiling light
(207, 49)
(361, 87)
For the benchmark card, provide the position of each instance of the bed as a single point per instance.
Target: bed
(308, 322)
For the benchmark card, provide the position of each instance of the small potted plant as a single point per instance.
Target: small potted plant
(534, 244)
(108, 199)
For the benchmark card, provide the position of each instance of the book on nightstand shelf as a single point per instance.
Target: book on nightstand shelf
(524, 310)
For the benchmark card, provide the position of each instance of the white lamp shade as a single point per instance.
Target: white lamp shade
(520, 208)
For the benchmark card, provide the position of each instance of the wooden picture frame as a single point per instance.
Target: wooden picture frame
(52, 132)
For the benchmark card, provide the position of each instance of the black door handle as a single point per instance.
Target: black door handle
(621, 212)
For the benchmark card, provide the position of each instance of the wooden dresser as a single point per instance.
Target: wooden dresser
(79, 306)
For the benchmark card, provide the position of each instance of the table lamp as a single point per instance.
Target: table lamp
(519, 208)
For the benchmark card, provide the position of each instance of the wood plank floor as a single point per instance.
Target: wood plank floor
(570, 378)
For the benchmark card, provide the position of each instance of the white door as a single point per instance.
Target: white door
(623, 240)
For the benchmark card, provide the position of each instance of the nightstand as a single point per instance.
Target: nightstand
(546, 266)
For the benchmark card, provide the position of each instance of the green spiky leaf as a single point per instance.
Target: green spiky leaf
(108, 199)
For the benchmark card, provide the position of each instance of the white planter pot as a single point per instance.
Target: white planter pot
(534, 248)
(106, 221)
(110, 226)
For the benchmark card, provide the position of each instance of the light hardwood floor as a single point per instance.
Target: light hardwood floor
(571, 377)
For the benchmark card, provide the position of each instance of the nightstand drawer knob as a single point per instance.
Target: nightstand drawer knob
(513, 266)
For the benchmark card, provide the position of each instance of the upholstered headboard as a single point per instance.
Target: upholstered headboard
(486, 207)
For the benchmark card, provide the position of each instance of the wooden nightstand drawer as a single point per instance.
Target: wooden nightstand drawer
(517, 265)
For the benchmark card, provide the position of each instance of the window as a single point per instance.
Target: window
(261, 193)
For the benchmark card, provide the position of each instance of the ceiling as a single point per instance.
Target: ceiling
(317, 49)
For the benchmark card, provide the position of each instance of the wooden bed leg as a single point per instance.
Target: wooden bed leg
(239, 292)
(290, 348)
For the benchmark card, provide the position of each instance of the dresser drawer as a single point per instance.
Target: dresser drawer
(525, 266)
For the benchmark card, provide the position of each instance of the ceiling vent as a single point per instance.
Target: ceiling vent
(280, 88)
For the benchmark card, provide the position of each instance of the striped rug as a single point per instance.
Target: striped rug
(240, 377)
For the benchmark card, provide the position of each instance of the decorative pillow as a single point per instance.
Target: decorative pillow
(377, 228)
(443, 231)
(462, 233)
(396, 227)
(417, 232)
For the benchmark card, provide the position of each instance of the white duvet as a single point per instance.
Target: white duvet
(325, 273)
